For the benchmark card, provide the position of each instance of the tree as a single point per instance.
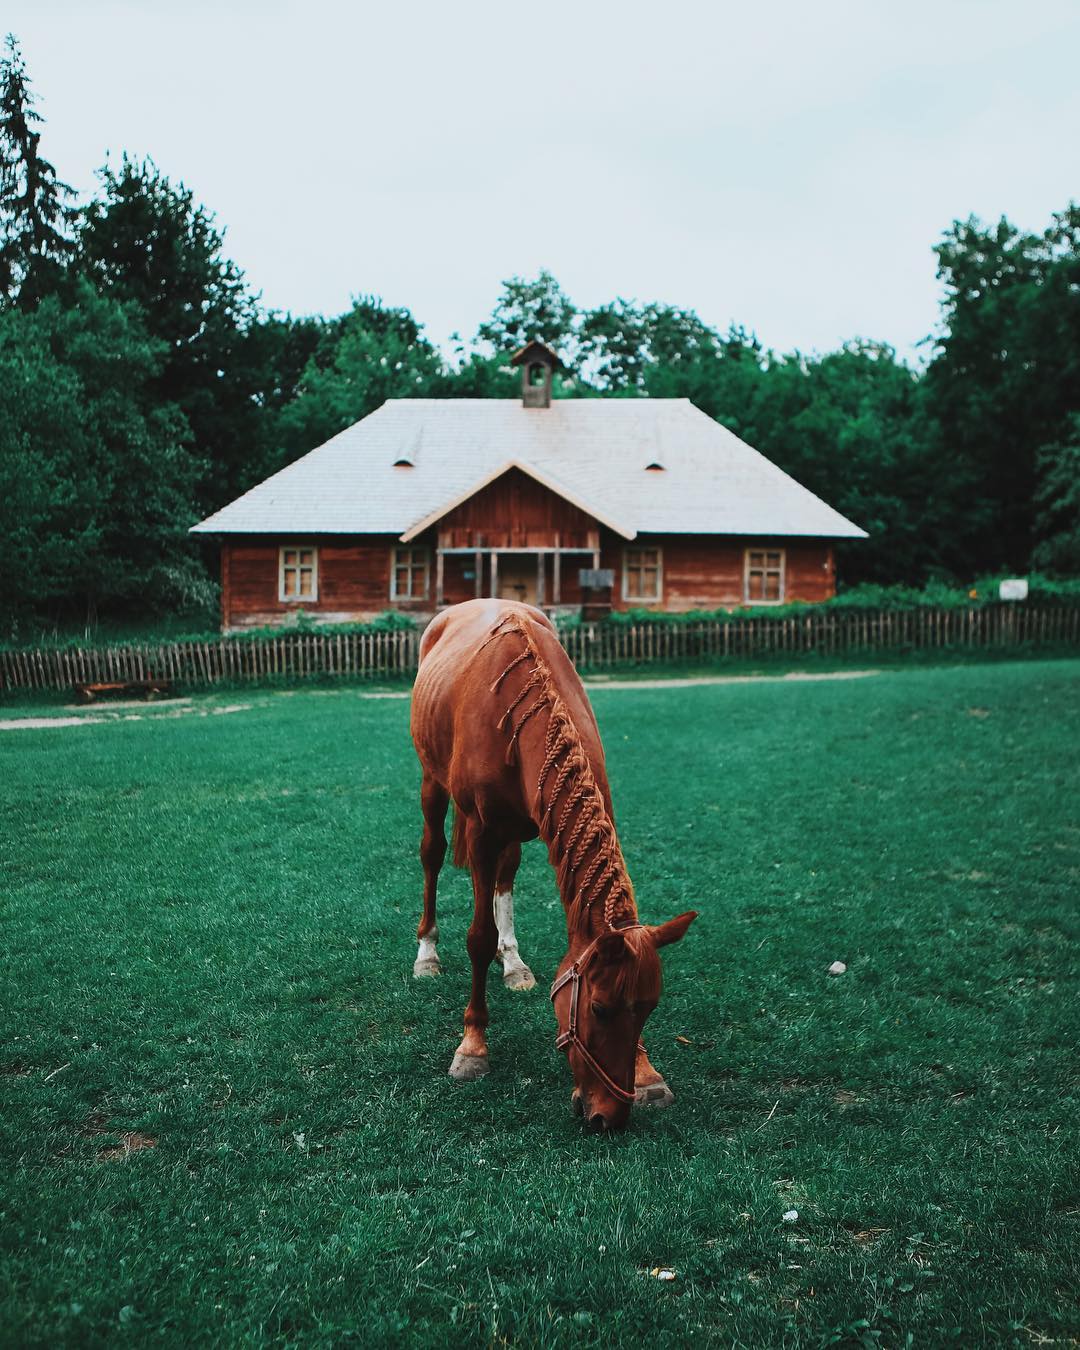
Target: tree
(51, 512)
(35, 215)
(532, 309)
(97, 478)
(1057, 502)
(146, 241)
(614, 346)
(848, 425)
(371, 354)
(687, 359)
(1006, 372)
(279, 349)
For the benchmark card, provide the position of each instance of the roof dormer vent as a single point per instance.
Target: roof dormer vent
(538, 364)
(403, 464)
(654, 467)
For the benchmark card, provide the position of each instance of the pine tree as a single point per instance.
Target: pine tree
(35, 217)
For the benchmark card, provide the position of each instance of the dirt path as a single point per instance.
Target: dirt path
(595, 682)
(181, 707)
(100, 716)
(683, 682)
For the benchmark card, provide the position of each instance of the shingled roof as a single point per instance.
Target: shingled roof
(593, 452)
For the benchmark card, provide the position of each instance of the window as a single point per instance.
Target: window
(298, 574)
(641, 574)
(409, 574)
(764, 576)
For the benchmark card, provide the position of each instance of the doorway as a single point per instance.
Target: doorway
(517, 577)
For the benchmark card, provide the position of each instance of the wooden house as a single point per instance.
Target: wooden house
(427, 502)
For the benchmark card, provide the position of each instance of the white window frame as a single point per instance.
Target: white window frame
(413, 554)
(626, 592)
(765, 569)
(297, 567)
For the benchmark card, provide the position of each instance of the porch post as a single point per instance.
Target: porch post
(540, 580)
(494, 573)
(439, 578)
(556, 571)
(479, 564)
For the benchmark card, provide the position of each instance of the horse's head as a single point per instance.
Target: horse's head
(602, 997)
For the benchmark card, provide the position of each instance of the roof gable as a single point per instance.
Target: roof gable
(545, 480)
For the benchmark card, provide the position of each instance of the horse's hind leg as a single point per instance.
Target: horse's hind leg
(434, 800)
(516, 974)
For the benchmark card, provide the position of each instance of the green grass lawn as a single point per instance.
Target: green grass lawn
(224, 1110)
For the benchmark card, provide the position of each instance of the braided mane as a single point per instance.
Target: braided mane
(581, 839)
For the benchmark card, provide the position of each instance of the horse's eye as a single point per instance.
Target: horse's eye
(601, 1012)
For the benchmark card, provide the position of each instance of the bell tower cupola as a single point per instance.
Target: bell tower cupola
(538, 364)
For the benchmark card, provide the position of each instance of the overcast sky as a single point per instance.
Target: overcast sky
(787, 166)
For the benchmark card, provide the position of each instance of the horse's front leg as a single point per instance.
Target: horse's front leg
(471, 1057)
(649, 1086)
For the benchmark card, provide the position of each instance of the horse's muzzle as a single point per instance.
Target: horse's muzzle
(596, 1120)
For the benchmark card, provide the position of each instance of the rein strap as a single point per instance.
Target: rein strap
(570, 1037)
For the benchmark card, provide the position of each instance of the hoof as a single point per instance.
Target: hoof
(520, 977)
(423, 970)
(653, 1094)
(467, 1067)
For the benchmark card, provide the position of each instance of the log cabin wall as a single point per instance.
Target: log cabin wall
(698, 571)
(708, 571)
(353, 579)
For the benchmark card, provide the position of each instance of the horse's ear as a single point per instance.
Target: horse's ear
(610, 948)
(673, 930)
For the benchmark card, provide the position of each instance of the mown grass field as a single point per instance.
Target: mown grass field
(224, 1111)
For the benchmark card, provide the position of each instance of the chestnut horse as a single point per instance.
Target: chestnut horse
(503, 726)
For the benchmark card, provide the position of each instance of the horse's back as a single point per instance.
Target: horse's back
(461, 626)
(454, 712)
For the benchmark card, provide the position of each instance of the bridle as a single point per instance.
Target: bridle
(572, 977)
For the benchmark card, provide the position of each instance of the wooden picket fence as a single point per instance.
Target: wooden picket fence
(293, 656)
(825, 631)
(593, 646)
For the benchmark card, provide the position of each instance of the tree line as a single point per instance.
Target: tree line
(144, 385)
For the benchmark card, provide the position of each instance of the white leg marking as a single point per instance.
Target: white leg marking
(516, 974)
(427, 956)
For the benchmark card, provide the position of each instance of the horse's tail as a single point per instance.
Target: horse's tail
(460, 847)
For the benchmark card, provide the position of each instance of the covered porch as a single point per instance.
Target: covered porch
(537, 567)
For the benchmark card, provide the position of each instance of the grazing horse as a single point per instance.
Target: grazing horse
(502, 724)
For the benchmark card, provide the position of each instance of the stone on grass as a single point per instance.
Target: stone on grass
(837, 968)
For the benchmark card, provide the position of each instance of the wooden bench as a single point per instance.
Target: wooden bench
(148, 689)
